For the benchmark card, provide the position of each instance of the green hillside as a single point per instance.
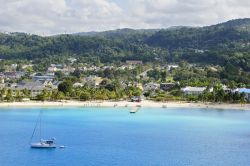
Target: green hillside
(222, 44)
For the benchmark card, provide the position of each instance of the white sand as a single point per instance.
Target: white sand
(145, 103)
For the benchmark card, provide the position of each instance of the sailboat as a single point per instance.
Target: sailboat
(48, 143)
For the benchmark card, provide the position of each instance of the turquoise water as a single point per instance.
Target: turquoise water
(112, 136)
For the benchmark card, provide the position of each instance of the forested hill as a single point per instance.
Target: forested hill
(225, 43)
(229, 35)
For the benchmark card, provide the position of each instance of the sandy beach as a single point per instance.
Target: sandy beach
(145, 103)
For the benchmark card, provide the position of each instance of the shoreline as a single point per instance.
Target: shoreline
(145, 103)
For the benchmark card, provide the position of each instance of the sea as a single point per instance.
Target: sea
(114, 137)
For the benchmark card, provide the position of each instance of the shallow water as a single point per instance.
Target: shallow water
(112, 136)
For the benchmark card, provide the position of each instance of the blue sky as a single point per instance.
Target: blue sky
(69, 16)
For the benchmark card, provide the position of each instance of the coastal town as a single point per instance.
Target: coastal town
(129, 81)
(125, 83)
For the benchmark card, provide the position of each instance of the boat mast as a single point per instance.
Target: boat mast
(40, 132)
(36, 125)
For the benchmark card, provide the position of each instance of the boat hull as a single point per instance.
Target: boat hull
(41, 145)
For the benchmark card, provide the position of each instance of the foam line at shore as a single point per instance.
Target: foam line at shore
(147, 104)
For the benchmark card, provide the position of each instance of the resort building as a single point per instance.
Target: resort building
(193, 90)
(246, 92)
(35, 88)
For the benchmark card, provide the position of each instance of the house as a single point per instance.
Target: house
(151, 87)
(93, 81)
(173, 66)
(14, 75)
(246, 92)
(77, 85)
(193, 90)
(1, 80)
(166, 86)
(67, 70)
(57, 65)
(226, 89)
(52, 69)
(2, 85)
(199, 51)
(72, 60)
(132, 62)
(27, 66)
(43, 78)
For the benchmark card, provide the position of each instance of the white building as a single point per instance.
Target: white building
(193, 90)
(77, 85)
(172, 67)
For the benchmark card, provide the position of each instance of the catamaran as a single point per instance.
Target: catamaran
(49, 143)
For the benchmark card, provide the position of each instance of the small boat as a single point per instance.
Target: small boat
(134, 110)
(48, 143)
(62, 146)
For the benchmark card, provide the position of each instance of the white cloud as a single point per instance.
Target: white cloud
(59, 16)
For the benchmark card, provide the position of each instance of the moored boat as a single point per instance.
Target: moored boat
(134, 110)
(44, 144)
(49, 143)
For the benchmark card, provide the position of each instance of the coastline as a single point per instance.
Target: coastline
(145, 103)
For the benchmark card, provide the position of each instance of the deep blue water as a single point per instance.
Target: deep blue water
(112, 136)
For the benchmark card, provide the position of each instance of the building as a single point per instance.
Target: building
(43, 78)
(136, 99)
(151, 87)
(246, 92)
(77, 85)
(93, 81)
(72, 60)
(14, 75)
(132, 62)
(166, 86)
(193, 90)
(172, 67)
(35, 88)
(226, 89)
(1, 80)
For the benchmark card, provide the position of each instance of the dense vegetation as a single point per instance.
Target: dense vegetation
(226, 45)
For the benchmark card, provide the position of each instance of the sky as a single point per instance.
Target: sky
(50, 17)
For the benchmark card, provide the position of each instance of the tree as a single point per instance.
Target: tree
(65, 87)
(9, 96)
(133, 91)
(26, 93)
(57, 95)
(18, 96)
(45, 95)
(163, 76)
(85, 96)
(2, 94)
(77, 73)
(59, 75)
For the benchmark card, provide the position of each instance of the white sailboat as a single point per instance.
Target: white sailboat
(49, 143)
